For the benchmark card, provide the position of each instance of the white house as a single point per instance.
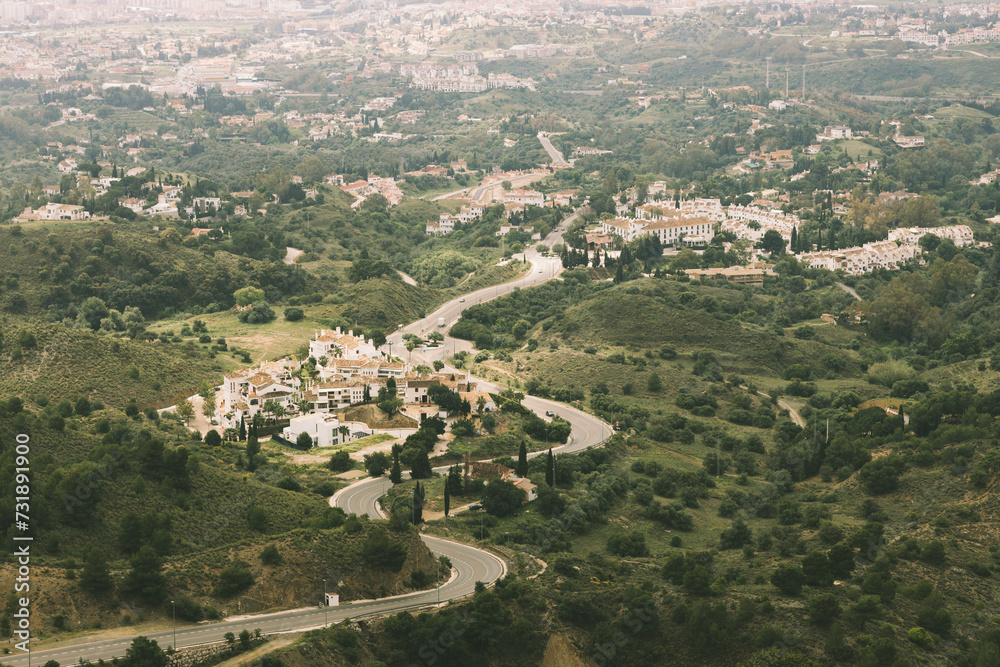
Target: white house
(332, 344)
(834, 132)
(530, 490)
(324, 429)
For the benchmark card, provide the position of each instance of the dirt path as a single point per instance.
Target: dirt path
(407, 279)
(849, 290)
(792, 412)
(291, 254)
(260, 651)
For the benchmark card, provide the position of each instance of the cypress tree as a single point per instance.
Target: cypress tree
(396, 472)
(418, 504)
(794, 245)
(522, 461)
(253, 449)
(447, 497)
(243, 430)
(550, 470)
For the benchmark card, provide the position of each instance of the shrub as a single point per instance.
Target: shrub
(271, 556)
(921, 638)
(887, 373)
(788, 579)
(628, 543)
(259, 313)
(188, 609)
(232, 580)
(340, 462)
(294, 314)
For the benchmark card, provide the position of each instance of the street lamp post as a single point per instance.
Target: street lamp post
(326, 607)
(173, 611)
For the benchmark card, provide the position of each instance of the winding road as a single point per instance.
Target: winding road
(469, 564)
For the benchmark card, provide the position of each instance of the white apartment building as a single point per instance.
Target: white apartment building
(670, 230)
(524, 197)
(858, 260)
(833, 132)
(960, 235)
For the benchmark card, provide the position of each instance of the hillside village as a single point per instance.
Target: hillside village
(342, 370)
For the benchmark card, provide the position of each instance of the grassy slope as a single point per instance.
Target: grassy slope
(70, 363)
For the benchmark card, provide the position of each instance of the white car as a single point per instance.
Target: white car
(540, 270)
(462, 300)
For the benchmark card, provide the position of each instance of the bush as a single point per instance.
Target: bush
(921, 638)
(271, 556)
(933, 553)
(294, 314)
(788, 579)
(258, 313)
(188, 609)
(232, 580)
(340, 462)
(380, 551)
(824, 609)
(628, 543)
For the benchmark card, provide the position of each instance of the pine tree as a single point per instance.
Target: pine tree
(550, 470)
(95, 577)
(522, 461)
(619, 274)
(447, 497)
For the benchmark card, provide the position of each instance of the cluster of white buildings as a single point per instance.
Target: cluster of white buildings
(700, 207)
(672, 229)
(857, 260)
(752, 222)
(53, 211)
(960, 235)
(461, 78)
(351, 368)
(375, 185)
(901, 246)
(447, 221)
(964, 36)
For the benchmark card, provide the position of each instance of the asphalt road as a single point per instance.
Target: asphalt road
(555, 155)
(542, 270)
(470, 564)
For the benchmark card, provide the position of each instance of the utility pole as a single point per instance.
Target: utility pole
(803, 83)
(767, 77)
(326, 607)
(173, 611)
(786, 83)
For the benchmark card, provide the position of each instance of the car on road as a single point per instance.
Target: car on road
(539, 270)
(475, 507)
(462, 300)
(549, 413)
